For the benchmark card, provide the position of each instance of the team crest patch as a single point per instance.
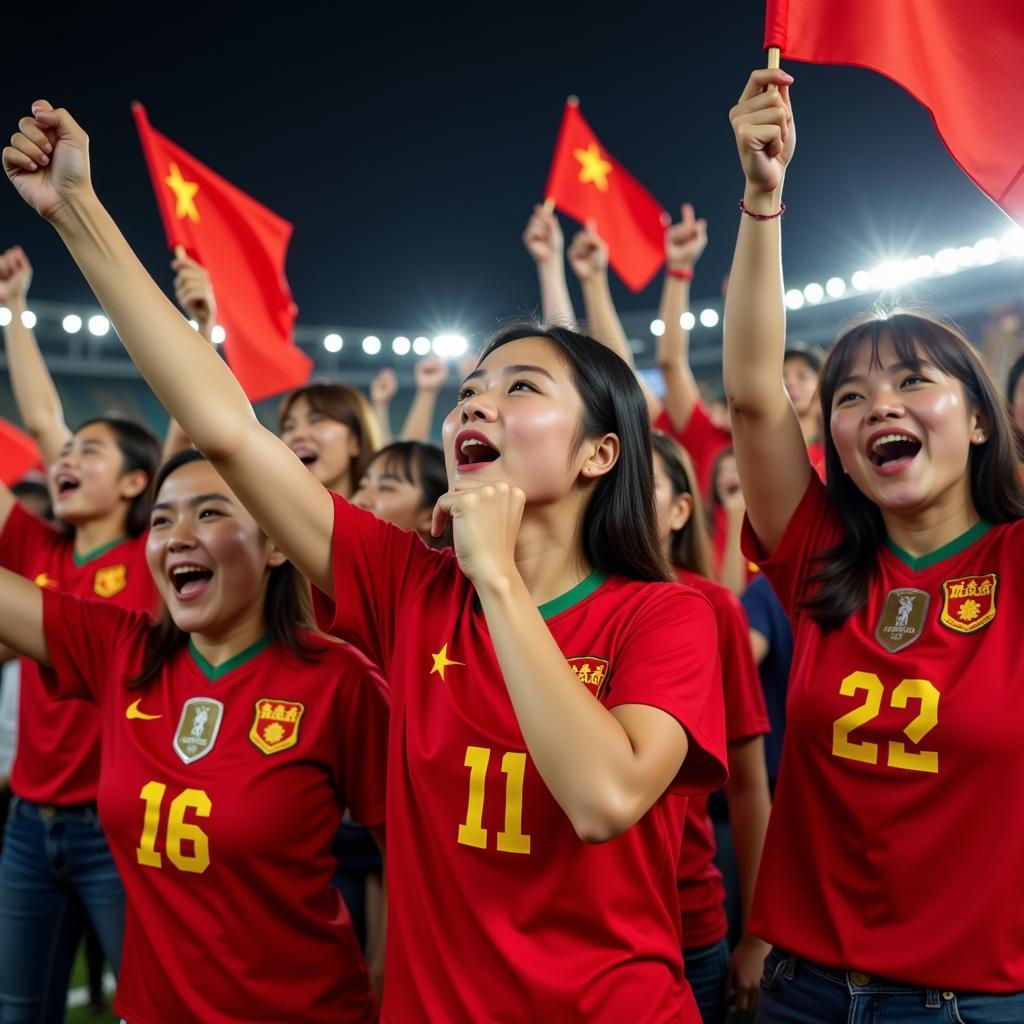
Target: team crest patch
(45, 580)
(593, 672)
(969, 602)
(110, 580)
(276, 724)
(197, 728)
(903, 618)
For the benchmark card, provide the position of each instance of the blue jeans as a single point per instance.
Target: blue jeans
(795, 991)
(706, 968)
(48, 856)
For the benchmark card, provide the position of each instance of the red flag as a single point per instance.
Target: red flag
(243, 246)
(588, 184)
(18, 453)
(960, 58)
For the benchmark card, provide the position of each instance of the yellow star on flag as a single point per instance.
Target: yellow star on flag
(441, 662)
(184, 195)
(593, 166)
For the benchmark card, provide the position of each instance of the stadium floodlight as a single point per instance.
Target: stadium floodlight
(687, 321)
(946, 261)
(99, 325)
(1013, 242)
(333, 342)
(886, 275)
(924, 266)
(401, 345)
(836, 287)
(794, 298)
(709, 317)
(28, 318)
(861, 280)
(421, 346)
(218, 334)
(5, 316)
(72, 323)
(371, 344)
(814, 293)
(657, 327)
(987, 251)
(450, 346)
(966, 256)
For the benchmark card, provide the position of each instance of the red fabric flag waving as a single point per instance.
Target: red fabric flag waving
(18, 453)
(960, 58)
(588, 184)
(242, 245)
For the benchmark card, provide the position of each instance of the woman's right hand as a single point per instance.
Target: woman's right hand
(48, 159)
(765, 133)
(15, 276)
(543, 237)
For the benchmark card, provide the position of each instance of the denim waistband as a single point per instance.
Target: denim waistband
(48, 812)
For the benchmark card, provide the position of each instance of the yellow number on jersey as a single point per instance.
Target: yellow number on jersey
(472, 832)
(927, 718)
(178, 829)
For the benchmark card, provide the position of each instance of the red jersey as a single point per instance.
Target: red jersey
(703, 441)
(701, 889)
(891, 847)
(220, 792)
(58, 754)
(501, 911)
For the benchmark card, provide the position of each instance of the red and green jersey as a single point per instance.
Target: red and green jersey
(893, 848)
(701, 889)
(58, 753)
(220, 792)
(702, 439)
(498, 910)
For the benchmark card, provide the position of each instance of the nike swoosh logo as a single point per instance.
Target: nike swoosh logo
(132, 711)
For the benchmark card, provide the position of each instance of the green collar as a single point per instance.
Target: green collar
(954, 547)
(81, 560)
(582, 590)
(215, 672)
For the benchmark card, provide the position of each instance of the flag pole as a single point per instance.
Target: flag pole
(774, 55)
(549, 202)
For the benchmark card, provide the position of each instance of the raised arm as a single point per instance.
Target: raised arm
(21, 617)
(34, 392)
(383, 389)
(431, 373)
(766, 432)
(684, 243)
(545, 243)
(190, 379)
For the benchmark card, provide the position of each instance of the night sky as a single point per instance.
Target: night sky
(408, 148)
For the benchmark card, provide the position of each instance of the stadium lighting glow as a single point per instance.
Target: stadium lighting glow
(333, 342)
(1013, 242)
(966, 256)
(5, 316)
(861, 280)
(194, 324)
(450, 346)
(657, 327)
(98, 325)
(836, 287)
(401, 345)
(371, 344)
(421, 346)
(708, 317)
(687, 321)
(794, 298)
(886, 275)
(946, 261)
(218, 334)
(987, 250)
(72, 323)
(814, 293)
(924, 266)
(28, 318)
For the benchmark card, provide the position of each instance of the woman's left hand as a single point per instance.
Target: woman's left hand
(743, 983)
(485, 523)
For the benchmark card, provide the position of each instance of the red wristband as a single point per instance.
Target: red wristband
(763, 216)
(680, 273)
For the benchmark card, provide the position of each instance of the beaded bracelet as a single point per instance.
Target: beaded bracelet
(763, 216)
(680, 273)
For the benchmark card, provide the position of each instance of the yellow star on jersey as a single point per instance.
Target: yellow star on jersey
(593, 166)
(184, 195)
(441, 662)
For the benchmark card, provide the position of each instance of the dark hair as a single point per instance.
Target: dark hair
(140, 451)
(840, 585)
(690, 548)
(285, 610)
(346, 405)
(619, 532)
(716, 465)
(800, 350)
(1014, 376)
(421, 465)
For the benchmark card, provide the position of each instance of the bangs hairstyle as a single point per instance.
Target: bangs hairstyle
(840, 585)
(420, 465)
(140, 451)
(619, 532)
(346, 405)
(286, 611)
(689, 548)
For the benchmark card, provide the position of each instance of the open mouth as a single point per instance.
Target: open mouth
(66, 484)
(475, 450)
(306, 456)
(190, 580)
(890, 449)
